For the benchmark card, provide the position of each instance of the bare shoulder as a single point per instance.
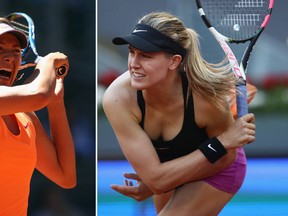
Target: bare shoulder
(120, 96)
(118, 93)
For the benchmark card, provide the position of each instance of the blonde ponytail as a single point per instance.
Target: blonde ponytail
(214, 81)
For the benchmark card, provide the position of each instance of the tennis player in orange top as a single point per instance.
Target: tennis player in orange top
(24, 143)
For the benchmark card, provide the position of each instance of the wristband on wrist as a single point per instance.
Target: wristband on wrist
(212, 149)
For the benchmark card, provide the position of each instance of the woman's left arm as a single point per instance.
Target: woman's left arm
(56, 154)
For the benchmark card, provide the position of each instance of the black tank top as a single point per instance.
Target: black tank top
(190, 136)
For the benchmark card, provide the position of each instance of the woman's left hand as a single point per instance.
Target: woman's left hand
(138, 192)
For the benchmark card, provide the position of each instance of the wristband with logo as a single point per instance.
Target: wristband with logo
(212, 149)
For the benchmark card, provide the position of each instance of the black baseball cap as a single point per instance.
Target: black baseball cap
(148, 39)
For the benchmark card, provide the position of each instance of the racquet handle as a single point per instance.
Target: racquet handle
(61, 71)
(241, 100)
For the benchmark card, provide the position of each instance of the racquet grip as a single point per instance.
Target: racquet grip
(241, 100)
(61, 71)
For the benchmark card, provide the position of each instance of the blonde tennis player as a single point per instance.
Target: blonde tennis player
(171, 116)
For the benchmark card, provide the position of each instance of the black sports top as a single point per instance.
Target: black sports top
(190, 136)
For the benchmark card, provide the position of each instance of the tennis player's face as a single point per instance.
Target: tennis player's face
(147, 69)
(10, 58)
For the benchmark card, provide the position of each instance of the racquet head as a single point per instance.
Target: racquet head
(30, 57)
(238, 20)
(22, 22)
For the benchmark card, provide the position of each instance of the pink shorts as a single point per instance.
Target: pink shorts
(230, 179)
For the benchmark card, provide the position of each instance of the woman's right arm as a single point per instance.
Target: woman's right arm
(37, 90)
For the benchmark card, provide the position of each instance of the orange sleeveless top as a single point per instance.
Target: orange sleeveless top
(17, 163)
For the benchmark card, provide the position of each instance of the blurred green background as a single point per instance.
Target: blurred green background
(67, 26)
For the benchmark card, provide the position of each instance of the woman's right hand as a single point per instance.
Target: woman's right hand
(240, 133)
(57, 60)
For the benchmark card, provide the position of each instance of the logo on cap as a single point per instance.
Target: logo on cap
(139, 30)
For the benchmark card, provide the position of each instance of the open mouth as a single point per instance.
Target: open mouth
(5, 74)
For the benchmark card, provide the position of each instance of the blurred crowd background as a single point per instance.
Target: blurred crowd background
(267, 68)
(67, 26)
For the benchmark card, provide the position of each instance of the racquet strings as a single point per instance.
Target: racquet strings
(236, 19)
(28, 54)
(20, 26)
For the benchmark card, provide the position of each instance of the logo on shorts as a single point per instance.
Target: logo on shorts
(210, 146)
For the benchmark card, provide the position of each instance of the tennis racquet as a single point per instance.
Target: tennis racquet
(236, 21)
(30, 56)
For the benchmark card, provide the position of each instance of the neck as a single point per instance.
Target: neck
(165, 94)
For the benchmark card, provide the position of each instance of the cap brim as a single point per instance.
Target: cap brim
(148, 39)
(5, 28)
(21, 37)
(137, 42)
